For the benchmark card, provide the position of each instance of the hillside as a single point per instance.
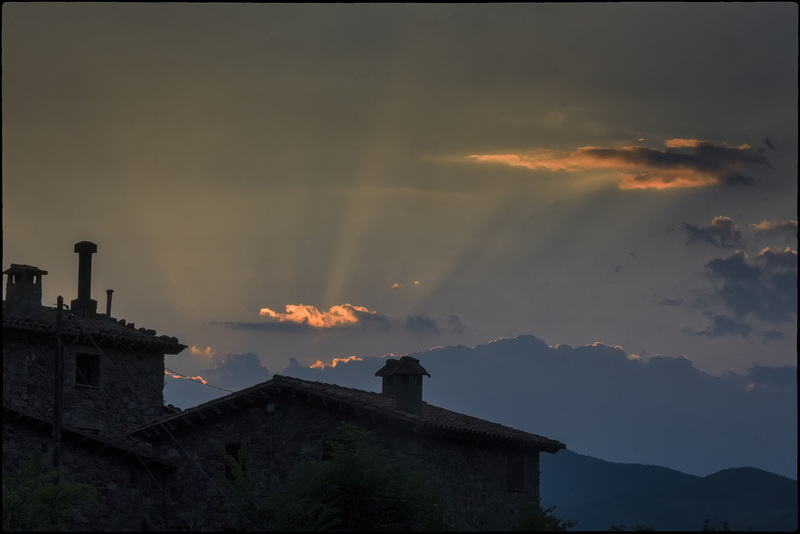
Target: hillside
(600, 494)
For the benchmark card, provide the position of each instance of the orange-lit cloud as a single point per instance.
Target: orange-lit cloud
(303, 313)
(207, 352)
(775, 227)
(396, 285)
(194, 378)
(322, 365)
(685, 163)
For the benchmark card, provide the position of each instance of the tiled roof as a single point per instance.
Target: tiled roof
(100, 329)
(433, 419)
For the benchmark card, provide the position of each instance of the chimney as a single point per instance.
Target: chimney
(402, 379)
(109, 292)
(23, 290)
(84, 305)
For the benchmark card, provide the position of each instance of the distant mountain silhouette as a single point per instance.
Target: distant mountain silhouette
(600, 494)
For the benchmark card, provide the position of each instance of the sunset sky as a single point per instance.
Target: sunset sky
(329, 181)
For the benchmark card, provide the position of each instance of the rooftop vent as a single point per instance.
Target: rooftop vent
(402, 379)
(23, 290)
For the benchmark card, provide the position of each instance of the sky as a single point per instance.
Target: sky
(281, 185)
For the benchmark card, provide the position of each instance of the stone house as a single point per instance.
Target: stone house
(159, 467)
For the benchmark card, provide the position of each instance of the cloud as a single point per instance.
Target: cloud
(775, 260)
(236, 371)
(229, 373)
(602, 402)
(321, 365)
(456, 326)
(775, 227)
(723, 325)
(421, 323)
(302, 313)
(769, 292)
(208, 352)
(723, 233)
(183, 377)
(771, 335)
(685, 163)
(670, 302)
(303, 319)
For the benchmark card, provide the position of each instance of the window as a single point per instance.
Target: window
(235, 460)
(87, 369)
(516, 471)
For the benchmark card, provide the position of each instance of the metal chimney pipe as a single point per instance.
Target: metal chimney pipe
(84, 304)
(109, 292)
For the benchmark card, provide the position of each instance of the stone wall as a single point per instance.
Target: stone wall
(472, 477)
(129, 495)
(129, 393)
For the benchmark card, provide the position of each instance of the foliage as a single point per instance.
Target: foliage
(708, 528)
(635, 528)
(36, 498)
(357, 487)
(534, 518)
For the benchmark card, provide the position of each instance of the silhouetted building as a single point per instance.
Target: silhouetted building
(158, 467)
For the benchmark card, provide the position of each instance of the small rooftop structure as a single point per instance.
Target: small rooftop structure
(23, 290)
(402, 380)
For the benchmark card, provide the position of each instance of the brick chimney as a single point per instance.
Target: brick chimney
(402, 379)
(23, 290)
(84, 305)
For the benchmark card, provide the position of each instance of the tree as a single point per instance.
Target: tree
(356, 487)
(35, 498)
(534, 518)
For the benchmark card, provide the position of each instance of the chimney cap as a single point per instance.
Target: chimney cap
(85, 246)
(22, 268)
(406, 365)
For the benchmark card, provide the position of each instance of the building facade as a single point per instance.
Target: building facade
(158, 467)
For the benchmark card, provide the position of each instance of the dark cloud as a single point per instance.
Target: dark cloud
(268, 326)
(372, 320)
(670, 302)
(722, 232)
(684, 163)
(723, 325)
(721, 161)
(775, 260)
(456, 326)
(603, 403)
(421, 323)
(235, 371)
(771, 335)
(768, 292)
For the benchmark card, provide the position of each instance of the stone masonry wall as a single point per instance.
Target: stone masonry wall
(472, 478)
(130, 390)
(129, 496)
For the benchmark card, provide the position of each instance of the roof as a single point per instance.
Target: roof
(432, 420)
(402, 366)
(99, 328)
(69, 434)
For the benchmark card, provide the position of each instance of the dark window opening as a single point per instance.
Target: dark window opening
(390, 380)
(405, 379)
(235, 460)
(516, 471)
(87, 369)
